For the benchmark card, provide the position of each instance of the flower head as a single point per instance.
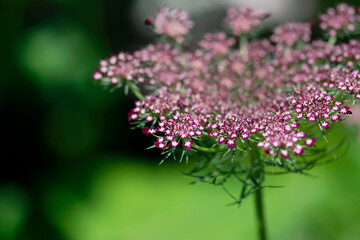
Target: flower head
(173, 23)
(291, 33)
(343, 17)
(217, 43)
(260, 97)
(244, 20)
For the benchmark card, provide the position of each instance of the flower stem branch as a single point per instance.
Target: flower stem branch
(136, 91)
(242, 44)
(332, 40)
(205, 149)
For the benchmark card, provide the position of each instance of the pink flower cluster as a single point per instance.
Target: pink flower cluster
(145, 65)
(266, 94)
(343, 17)
(217, 43)
(173, 23)
(291, 33)
(244, 20)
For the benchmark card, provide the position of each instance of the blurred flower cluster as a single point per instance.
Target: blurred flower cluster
(342, 18)
(237, 93)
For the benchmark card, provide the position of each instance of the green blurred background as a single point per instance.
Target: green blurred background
(71, 169)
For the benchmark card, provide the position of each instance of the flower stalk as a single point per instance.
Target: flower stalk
(260, 215)
(259, 207)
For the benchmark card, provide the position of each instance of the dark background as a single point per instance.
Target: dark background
(65, 140)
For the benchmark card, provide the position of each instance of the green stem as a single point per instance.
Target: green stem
(136, 92)
(242, 42)
(332, 40)
(258, 197)
(204, 149)
(260, 214)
